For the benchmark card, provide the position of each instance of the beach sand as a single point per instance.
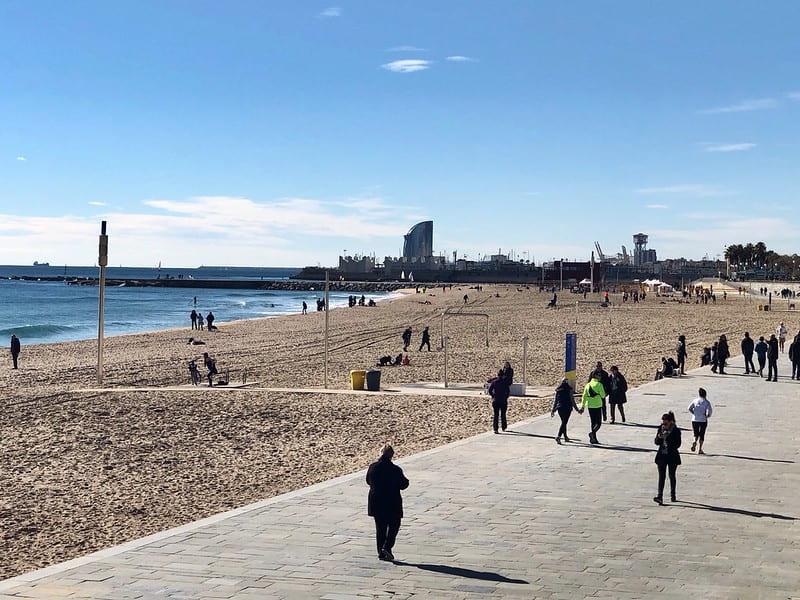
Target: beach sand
(86, 470)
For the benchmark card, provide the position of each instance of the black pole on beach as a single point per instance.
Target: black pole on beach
(327, 306)
(102, 260)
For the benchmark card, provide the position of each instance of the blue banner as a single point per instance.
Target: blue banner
(570, 358)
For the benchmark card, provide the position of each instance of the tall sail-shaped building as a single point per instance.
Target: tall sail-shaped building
(419, 241)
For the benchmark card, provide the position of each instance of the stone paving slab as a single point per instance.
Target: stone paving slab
(509, 516)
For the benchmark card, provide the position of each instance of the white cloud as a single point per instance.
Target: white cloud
(407, 65)
(459, 58)
(744, 106)
(688, 189)
(406, 49)
(656, 206)
(21, 158)
(740, 147)
(793, 96)
(210, 230)
(332, 11)
(95, 203)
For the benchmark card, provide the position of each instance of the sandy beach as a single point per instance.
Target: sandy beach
(86, 470)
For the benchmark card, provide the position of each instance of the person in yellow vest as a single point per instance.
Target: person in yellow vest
(593, 394)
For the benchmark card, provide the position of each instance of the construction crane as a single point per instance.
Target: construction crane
(624, 255)
(600, 254)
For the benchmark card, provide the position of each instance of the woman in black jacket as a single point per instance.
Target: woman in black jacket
(385, 504)
(723, 353)
(564, 403)
(668, 440)
(617, 397)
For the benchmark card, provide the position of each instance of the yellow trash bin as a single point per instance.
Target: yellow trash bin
(357, 379)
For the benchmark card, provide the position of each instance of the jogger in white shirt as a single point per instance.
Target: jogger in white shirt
(701, 411)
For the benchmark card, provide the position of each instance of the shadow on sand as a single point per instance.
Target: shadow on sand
(460, 572)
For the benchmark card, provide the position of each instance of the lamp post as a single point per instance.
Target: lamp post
(561, 275)
(102, 260)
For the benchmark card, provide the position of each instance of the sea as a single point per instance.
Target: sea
(41, 312)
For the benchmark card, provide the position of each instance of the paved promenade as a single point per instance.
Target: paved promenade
(509, 516)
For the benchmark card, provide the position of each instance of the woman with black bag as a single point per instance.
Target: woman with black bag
(668, 440)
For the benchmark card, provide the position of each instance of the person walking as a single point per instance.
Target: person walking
(781, 332)
(668, 440)
(592, 398)
(680, 351)
(723, 353)
(210, 364)
(305, 308)
(406, 339)
(747, 351)
(605, 380)
(714, 357)
(499, 391)
(384, 502)
(616, 395)
(772, 359)
(193, 317)
(761, 352)
(794, 356)
(564, 404)
(15, 349)
(426, 340)
(701, 410)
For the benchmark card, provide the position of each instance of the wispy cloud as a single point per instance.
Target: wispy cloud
(407, 65)
(744, 106)
(21, 158)
(740, 147)
(793, 96)
(332, 11)
(459, 58)
(687, 189)
(406, 49)
(96, 203)
(657, 206)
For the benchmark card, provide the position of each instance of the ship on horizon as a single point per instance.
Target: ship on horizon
(36, 263)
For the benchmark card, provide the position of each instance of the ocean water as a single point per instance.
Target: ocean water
(52, 311)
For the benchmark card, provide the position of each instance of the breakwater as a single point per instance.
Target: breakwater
(232, 284)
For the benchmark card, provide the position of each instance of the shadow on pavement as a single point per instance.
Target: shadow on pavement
(460, 572)
(738, 511)
(577, 444)
(774, 460)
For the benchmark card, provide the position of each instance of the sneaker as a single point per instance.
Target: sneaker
(613, 421)
(382, 555)
(700, 452)
(558, 441)
(658, 500)
(694, 446)
(388, 554)
(496, 431)
(672, 498)
(566, 439)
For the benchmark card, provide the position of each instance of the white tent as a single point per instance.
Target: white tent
(665, 288)
(585, 282)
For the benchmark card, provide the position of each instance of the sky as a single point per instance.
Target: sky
(286, 133)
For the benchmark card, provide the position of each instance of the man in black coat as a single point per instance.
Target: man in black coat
(747, 351)
(15, 348)
(605, 379)
(772, 358)
(385, 504)
(499, 390)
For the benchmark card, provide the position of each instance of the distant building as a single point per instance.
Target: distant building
(419, 241)
(356, 264)
(641, 255)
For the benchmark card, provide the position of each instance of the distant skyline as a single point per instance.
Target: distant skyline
(287, 133)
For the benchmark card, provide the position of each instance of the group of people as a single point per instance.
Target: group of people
(198, 322)
(425, 341)
(388, 361)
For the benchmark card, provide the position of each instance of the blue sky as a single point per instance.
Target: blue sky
(282, 133)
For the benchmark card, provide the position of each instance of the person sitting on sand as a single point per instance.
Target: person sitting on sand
(666, 370)
(406, 361)
(385, 361)
(194, 342)
(705, 358)
(398, 360)
(210, 364)
(552, 303)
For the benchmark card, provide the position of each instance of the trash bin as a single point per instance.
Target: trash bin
(357, 379)
(374, 380)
